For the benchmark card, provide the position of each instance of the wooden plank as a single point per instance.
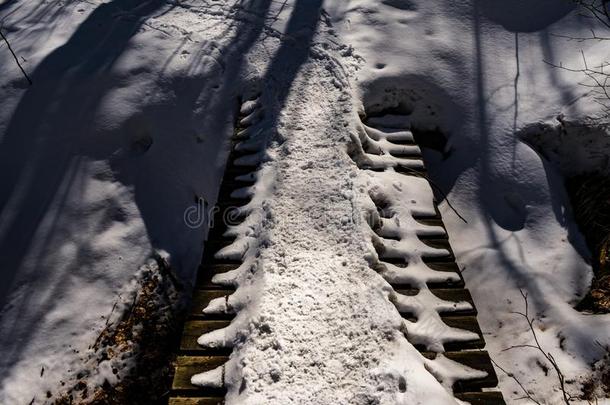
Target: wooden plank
(482, 398)
(209, 259)
(196, 401)
(187, 366)
(201, 299)
(447, 294)
(476, 359)
(206, 273)
(406, 154)
(230, 183)
(438, 265)
(195, 328)
(225, 203)
(468, 323)
(438, 243)
(218, 242)
(474, 398)
(432, 221)
(412, 171)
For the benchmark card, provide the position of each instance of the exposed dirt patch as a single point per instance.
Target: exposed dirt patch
(133, 356)
(597, 386)
(590, 197)
(580, 152)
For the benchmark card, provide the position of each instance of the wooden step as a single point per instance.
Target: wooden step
(447, 294)
(232, 202)
(439, 265)
(481, 398)
(205, 274)
(234, 184)
(194, 359)
(430, 221)
(474, 398)
(476, 359)
(187, 366)
(195, 328)
(202, 297)
(197, 401)
(406, 154)
(468, 323)
(411, 171)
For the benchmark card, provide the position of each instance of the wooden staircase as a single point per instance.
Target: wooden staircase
(193, 359)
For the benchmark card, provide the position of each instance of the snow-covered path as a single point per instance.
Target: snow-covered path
(315, 323)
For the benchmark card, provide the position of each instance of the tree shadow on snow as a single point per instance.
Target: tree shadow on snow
(49, 140)
(505, 197)
(49, 133)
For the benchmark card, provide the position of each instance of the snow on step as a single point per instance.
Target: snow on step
(316, 313)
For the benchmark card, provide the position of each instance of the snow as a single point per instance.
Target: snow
(127, 126)
(476, 70)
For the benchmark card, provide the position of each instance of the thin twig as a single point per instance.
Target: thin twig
(511, 375)
(15, 57)
(567, 398)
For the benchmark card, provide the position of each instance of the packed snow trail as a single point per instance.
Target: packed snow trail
(315, 323)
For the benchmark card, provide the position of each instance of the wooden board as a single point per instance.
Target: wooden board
(197, 401)
(187, 366)
(482, 398)
(474, 398)
(195, 328)
(194, 359)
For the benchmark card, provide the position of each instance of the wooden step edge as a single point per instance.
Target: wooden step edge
(459, 284)
(187, 366)
(475, 359)
(410, 155)
(430, 221)
(444, 258)
(474, 398)
(196, 400)
(202, 297)
(204, 279)
(193, 328)
(209, 259)
(482, 398)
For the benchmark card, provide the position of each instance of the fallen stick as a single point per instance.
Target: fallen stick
(15, 57)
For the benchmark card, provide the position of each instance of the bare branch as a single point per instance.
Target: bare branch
(15, 56)
(567, 398)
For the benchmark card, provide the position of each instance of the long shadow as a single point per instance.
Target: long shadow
(50, 125)
(517, 269)
(49, 133)
(487, 183)
(210, 102)
(567, 95)
(295, 47)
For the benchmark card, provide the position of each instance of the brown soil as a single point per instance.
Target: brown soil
(590, 197)
(139, 344)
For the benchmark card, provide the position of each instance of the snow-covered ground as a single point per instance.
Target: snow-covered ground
(126, 127)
